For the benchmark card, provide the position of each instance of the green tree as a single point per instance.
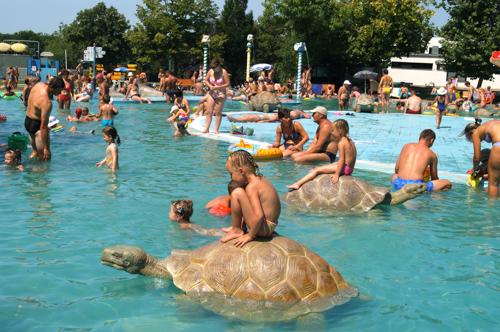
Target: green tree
(235, 24)
(101, 25)
(169, 33)
(471, 34)
(377, 30)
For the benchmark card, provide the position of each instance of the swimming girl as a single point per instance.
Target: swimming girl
(12, 158)
(110, 136)
(347, 157)
(217, 81)
(441, 102)
(490, 133)
(181, 212)
(257, 205)
(294, 134)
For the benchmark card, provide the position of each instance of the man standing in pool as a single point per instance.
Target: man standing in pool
(413, 162)
(324, 147)
(37, 115)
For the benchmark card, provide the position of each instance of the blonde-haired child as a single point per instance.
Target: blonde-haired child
(257, 206)
(347, 157)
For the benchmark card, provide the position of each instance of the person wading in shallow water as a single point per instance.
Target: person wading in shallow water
(38, 113)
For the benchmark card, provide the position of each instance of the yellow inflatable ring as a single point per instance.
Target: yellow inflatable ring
(257, 152)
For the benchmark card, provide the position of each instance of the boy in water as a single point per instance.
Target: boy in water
(257, 206)
(107, 111)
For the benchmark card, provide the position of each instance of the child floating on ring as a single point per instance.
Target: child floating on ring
(257, 205)
(181, 212)
(347, 157)
(221, 206)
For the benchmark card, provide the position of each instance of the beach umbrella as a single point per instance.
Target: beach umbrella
(260, 67)
(495, 58)
(121, 69)
(19, 47)
(4, 47)
(365, 75)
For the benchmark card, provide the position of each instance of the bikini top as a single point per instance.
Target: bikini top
(487, 138)
(216, 82)
(294, 136)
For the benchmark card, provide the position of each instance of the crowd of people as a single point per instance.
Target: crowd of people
(253, 201)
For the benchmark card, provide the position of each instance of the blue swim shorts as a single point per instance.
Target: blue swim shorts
(108, 122)
(399, 183)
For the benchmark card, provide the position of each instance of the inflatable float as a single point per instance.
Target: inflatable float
(258, 152)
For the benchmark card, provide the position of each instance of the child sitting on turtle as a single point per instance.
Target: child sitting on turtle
(257, 206)
(347, 157)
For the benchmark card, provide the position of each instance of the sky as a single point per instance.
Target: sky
(46, 15)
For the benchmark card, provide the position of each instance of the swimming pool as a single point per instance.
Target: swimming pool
(431, 264)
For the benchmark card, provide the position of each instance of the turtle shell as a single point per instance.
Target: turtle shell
(348, 194)
(277, 270)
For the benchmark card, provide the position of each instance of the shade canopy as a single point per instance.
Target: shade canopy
(495, 58)
(4, 47)
(260, 67)
(19, 47)
(365, 75)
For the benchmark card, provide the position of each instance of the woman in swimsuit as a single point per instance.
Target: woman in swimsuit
(441, 102)
(293, 133)
(490, 133)
(217, 81)
(133, 92)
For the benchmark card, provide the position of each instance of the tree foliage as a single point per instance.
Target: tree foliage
(235, 25)
(101, 25)
(385, 29)
(169, 32)
(471, 34)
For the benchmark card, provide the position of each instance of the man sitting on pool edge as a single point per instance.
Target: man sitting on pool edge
(324, 146)
(414, 160)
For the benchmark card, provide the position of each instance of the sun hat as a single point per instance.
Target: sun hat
(441, 91)
(174, 109)
(320, 110)
(53, 121)
(347, 82)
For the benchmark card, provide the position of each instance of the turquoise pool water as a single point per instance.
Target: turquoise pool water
(429, 265)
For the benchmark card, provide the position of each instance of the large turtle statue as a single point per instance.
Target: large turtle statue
(348, 194)
(264, 102)
(364, 103)
(248, 282)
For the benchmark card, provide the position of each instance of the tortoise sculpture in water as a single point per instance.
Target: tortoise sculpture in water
(349, 193)
(264, 273)
(264, 102)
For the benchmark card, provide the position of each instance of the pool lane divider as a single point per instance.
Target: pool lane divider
(198, 125)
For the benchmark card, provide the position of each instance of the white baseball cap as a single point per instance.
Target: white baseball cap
(347, 82)
(320, 110)
(53, 121)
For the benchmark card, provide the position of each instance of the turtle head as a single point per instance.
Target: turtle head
(127, 258)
